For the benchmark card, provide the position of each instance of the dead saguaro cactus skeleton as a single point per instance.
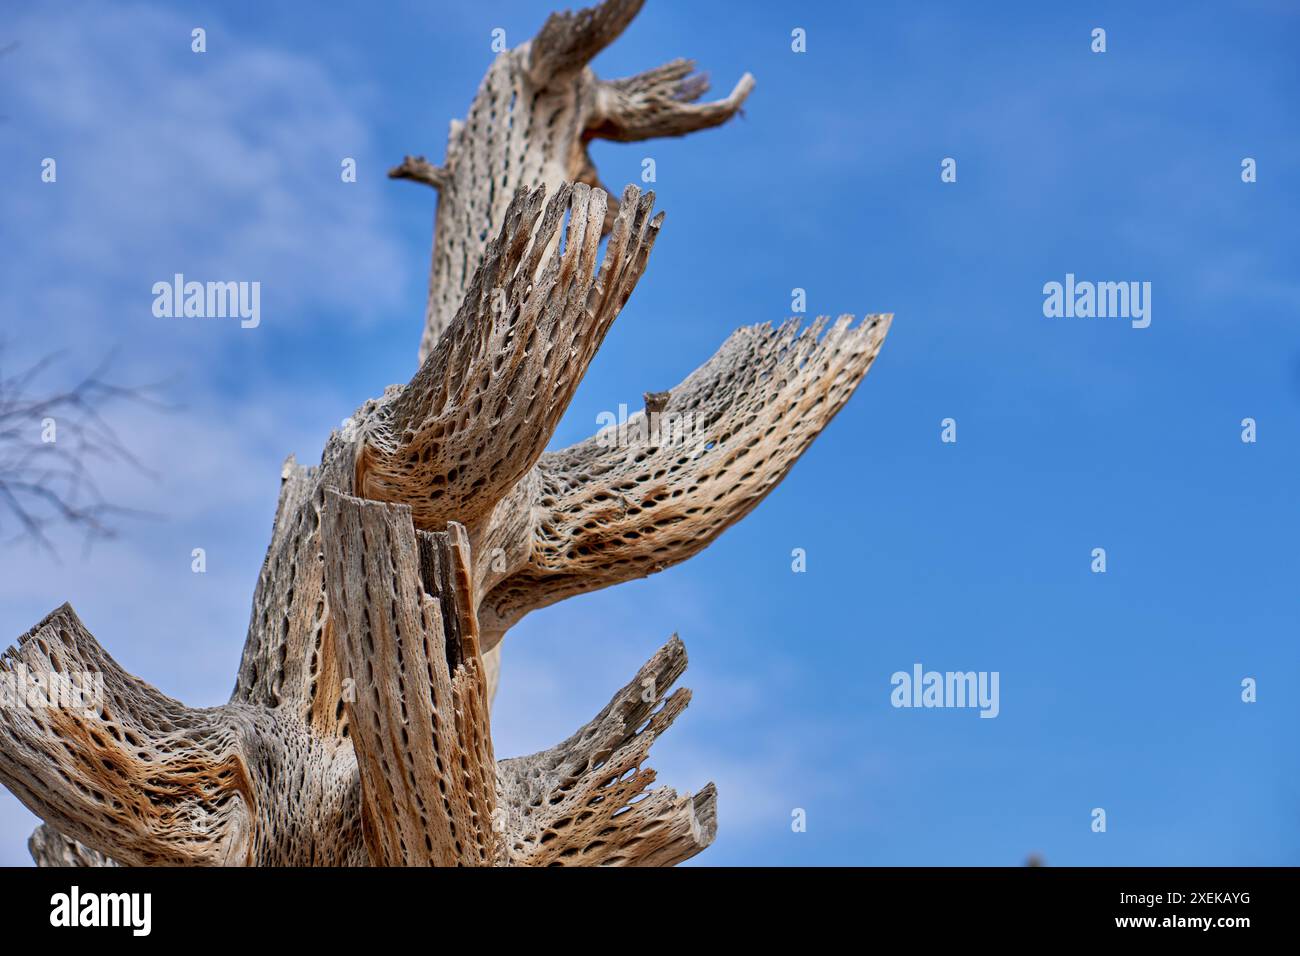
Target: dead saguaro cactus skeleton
(358, 731)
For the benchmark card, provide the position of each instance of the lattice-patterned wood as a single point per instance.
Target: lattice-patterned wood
(359, 729)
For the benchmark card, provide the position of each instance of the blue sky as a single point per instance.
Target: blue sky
(1119, 691)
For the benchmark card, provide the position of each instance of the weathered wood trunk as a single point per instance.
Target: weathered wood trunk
(358, 731)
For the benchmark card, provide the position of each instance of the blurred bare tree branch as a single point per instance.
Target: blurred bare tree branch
(52, 444)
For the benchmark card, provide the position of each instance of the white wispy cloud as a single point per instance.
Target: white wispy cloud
(221, 165)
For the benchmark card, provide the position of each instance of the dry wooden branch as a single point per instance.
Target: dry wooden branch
(577, 803)
(607, 511)
(358, 731)
(480, 411)
(402, 606)
(420, 170)
(145, 780)
(49, 847)
(529, 125)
